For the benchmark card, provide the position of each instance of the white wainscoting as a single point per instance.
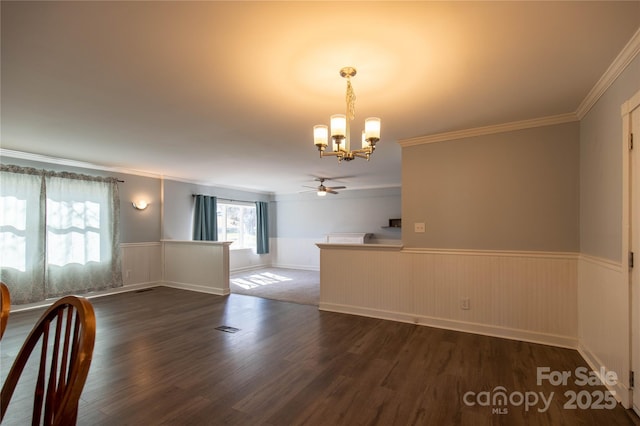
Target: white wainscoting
(529, 296)
(246, 259)
(197, 265)
(603, 318)
(141, 264)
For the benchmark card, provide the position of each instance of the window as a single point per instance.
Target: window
(13, 226)
(58, 233)
(73, 232)
(237, 223)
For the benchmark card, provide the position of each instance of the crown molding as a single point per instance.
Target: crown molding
(624, 58)
(489, 130)
(217, 185)
(72, 163)
(91, 166)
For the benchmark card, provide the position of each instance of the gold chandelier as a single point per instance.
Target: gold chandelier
(340, 129)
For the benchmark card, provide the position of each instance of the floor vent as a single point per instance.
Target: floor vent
(144, 290)
(228, 329)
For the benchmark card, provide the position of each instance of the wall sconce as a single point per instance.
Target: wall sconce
(140, 204)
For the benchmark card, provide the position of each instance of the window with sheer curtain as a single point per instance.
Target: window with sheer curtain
(59, 233)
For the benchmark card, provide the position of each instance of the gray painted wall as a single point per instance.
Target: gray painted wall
(509, 191)
(601, 168)
(136, 226)
(179, 202)
(309, 216)
(298, 216)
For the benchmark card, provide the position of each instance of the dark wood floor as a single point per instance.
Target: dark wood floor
(158, 359)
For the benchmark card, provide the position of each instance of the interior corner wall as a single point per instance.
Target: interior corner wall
(136, 226)
(305, 219)
(139, 229)
(603, 287)
(179, 202)
(601, 169)
(177, 221)
(509, 191)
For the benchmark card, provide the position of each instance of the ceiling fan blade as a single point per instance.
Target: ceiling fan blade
(330, 191)
(337, 187)
(312, 187)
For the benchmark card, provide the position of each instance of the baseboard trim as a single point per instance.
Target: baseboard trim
(462, 326)
(248, 268)
(194, 287)
(93, 295)
(299, 267)
(620, 390)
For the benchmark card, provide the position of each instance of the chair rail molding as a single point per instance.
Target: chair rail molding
(528, 296)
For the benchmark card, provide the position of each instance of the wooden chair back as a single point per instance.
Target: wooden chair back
(5, 305)
(67, 335)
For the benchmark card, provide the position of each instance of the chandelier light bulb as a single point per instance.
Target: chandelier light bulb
(338, 126)
(320, 135)
(372, 128)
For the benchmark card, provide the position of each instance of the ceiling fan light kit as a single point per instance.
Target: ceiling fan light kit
(341, 129)
(322, 190)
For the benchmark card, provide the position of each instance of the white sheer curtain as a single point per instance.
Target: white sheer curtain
(22, 241)
(82, 236)
(71, 235)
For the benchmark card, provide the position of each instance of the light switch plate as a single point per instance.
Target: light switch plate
(418, 227)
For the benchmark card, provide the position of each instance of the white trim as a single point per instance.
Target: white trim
(620, 390)
(73, 163)
(92, 166)
(602, 262)
(249, 268)
(498, 253)
(624, 58)
(298, 267)
(148, 244)
(490, 130)
(216, 185)
(619, 64)
(194, 287)
(199, 242)
(626, 109)
(631, 104)
(92, 295)
(366, 247)
(462, 326)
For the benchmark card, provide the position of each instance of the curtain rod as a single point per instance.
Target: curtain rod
(224, 199)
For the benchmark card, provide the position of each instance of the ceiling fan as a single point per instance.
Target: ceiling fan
(322, 190)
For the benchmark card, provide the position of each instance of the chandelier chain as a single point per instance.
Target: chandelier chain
(351, 100)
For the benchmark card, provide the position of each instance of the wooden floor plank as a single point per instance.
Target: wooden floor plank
(159, 359)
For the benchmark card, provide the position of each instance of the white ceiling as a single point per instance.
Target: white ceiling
(227, 93)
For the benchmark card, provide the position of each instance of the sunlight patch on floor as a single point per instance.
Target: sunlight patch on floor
(258, 280)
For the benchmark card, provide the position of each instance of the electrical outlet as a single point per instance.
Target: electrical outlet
(418, 227)
(465, 303)
(128, 273)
